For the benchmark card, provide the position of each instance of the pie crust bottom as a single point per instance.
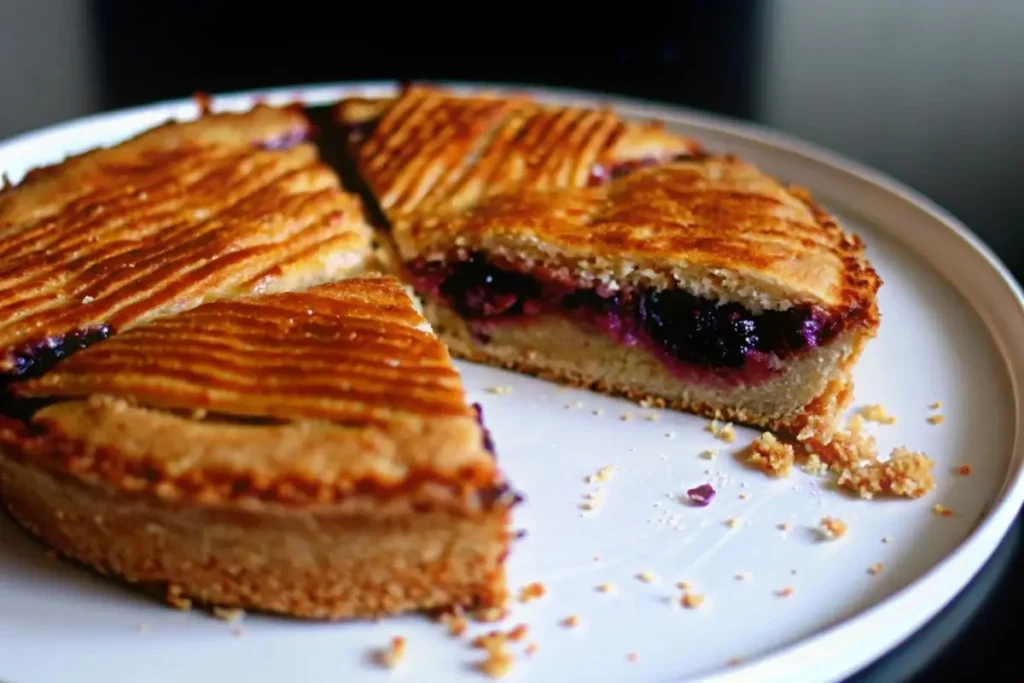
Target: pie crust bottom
(813, 389)
(312, 563)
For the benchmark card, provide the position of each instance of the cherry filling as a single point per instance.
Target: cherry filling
(686, 332)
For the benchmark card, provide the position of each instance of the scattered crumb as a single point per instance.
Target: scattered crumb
(492, 640)
(712, 427)
(606, 587)
(744, 576)
(936, 405)
(770, 455)
(497, 664)
(815, 466)
(456, 623)
(237, 632)
(492, 614)
(886, 539)
(732, 522)
(876, 569)
(743, 496)
(785, 592)
(785, 526)
(708, 455)
(531, 649)
(691, 600)
(393, 655)
(670, 435)
(632, 656)
(942, 510)
(597, 558)
(626, 417)
(876, 413)
(653, 417)
(793, 572)
(88, 299)
(571, 621)
(646, 577)
(532, 591)
(735, 661)
(593, 501)
(855, 423)
(229, 615)
(604, 474)
(833, 528)
(518, 632)
(964, 470)
(727, 433)
(598, 411)
(936, 419)
(684, 585)
(177, 600)
(906, 473)
(500, 390)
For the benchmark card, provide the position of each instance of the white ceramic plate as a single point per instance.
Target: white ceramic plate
(950, 316)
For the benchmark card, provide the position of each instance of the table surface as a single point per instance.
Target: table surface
(928, 92)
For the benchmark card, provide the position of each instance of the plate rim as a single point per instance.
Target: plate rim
(827, 650)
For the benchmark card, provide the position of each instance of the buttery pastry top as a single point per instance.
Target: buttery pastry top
(181, 214)
(600, 201)
(312, 396)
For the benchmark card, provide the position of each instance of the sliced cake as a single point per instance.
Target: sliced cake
(569, 243)
(305, 453)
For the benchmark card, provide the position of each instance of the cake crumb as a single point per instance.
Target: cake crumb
(744, 576)
(393, 655)
(532, 591)
(597, 558)
(886, 539)
(598, 411)
(727, 433)
(606, 587)
(626, 417)
(732, 522)
(571, 621)
(455, 623)
(936, 405)
(492, 640)
(684, 585)
(177, 600)
(708, 455)
(877, 413)
(785, 592)
(228, 614)
(832, 527)
(936, 419)
(691, 600)
(500, 390)
(964, 470)
(497, 664)
(646, 577)
(531, 649)
(743, 496)
(632, 656)
(518, 632)
(905, 473)
(785, 526)
(735, 661)
(88, 299)
(815, 466)
(653, 417)
(670, 435)
(941, 510)
(237, 632)
(876, 569)
(492, 614)
(606, 473)
(770, 455)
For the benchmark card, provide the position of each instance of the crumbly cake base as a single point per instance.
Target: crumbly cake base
(300, 562)
(812, 392)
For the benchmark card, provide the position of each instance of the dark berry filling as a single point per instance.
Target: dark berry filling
(35, 358)
(286, 140)
(684, 330)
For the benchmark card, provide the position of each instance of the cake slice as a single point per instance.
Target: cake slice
(307, 453)
(186, 212)
(566, 242)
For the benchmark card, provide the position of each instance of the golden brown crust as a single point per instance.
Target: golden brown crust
(525, 194)
(179, 215)
(339, 390)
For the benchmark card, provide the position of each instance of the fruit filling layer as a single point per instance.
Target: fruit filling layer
(35, 358)
(690, 334)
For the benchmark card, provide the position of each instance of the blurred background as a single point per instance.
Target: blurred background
(928, 91)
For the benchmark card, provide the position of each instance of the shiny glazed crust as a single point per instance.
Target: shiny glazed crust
(532, 185)
(329, 422)
(184, 213)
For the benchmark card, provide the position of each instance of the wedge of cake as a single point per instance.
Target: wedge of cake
(569, 243)
(184, 213)
(306, 453)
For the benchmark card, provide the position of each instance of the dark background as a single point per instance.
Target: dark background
(928, 91)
